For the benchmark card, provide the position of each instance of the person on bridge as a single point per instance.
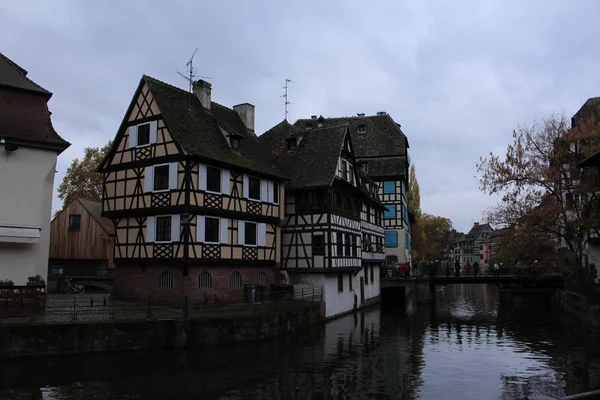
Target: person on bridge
(457, 269)
(467, 269)
(496, 269)
(475, 268)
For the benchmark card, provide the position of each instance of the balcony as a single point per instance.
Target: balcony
(371, 252)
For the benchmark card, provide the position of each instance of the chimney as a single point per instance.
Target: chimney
(313, 117)
(246, 113)
(202, 91)
(320, 121)
(360, 115)
(475, 223)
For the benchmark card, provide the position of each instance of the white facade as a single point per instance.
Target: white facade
(341, 302)
(26, 179)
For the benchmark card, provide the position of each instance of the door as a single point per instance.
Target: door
(362, 290)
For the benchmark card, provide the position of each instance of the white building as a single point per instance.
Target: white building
(29, 146)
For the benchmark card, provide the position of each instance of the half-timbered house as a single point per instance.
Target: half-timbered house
(382, 155)
(195, 205)
(333, 233)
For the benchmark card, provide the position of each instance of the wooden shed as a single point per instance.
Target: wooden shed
(81, 240)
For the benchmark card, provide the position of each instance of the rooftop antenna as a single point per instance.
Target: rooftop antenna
(285, 96)
(190, 77)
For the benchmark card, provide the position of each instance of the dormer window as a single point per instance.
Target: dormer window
(292, 143)
(364, 167)
(362, 129)
(235, 142)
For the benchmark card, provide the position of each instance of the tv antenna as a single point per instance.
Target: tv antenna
(285, 96)
(190, 77)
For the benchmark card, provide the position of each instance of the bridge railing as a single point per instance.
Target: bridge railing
(583, 285)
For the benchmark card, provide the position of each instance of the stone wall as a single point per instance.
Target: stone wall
(142, 283)
(586, 309)
(74, 338)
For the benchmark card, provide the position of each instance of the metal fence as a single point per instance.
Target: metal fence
(98, 307)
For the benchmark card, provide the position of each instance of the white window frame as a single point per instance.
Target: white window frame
(175, 229)
(154, 173)
(220, 180)
(218, 230)
(132, 131)
(247, 186)
(361, 129)
(149, 173)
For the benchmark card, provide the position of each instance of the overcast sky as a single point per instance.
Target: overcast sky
(457, 75)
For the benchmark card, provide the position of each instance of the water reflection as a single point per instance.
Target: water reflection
(474, 344)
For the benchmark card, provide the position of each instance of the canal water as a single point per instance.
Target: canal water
(474, 344)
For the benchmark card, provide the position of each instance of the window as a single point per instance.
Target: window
(350, 281)
(292, 144)
(372, 274)
(347, 204)
(213, 179)
(369, 214)
(362, 129)
(340, 245)
(318, 245)
(165, 280)
(205, 281)
(253, 188)
(351, 179)
(161, 177)
(261, 280)
(275, 192)
(389, 187)
(366, 274)
(340, 283)
(74, 222)
(235, 143)
(250, 233)
(390, 212)
(364, 167)
(354, 246)
(344, 170)
(348, 244)
(143, 134)
(211, 230)
(235, 279)
(391, 239)
(163, 229)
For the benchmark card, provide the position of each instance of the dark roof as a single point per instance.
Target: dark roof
(24, 115)
(11, 75)
(391, 166)
(314, 162)
(591, 161)
(479, 228)
(198, 130)
(95, 209)
(589, 109)
(382, 136)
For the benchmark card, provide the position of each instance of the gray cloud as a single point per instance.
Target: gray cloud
(458, 76)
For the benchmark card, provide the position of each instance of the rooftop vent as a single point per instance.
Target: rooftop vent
(313, 117)
(381, 113)
(360, 115)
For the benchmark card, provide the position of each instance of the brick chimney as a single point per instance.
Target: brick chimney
(202, 91)
(360, 115)
(246, 113)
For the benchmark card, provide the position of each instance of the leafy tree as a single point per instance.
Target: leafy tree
(413, 197)
(539, 183)
(81, 179)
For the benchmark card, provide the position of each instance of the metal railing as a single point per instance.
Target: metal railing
(97, 308)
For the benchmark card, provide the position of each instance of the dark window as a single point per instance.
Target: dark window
(143, 134)
(356, 210)
(318, 245)
(205, 281)
(350, 281)
(351, 174)
(347, 204)
(372, 274)
(261, 279)
(254, 188)
(163, 229)
(364, 167)
(250, 233)
(369, 214)
(235, 143)
(354, 245)
(344, 170)
(275, 192)
(74, 222)
(211, 230)
(213, 179)
(235, 279)
(165, 280)
(338, 200)
(348, 244)
(291, 143)
(340, 283)
(161, 177)
(362, 129)
(340, 244)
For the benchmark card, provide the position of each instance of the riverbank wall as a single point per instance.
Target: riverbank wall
(585, 309)
(102, 337)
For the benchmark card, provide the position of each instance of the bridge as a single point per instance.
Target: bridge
(505, 281)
